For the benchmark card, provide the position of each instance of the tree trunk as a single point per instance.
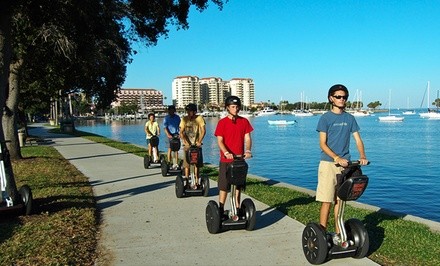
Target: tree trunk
(10, 115)
(5, 59)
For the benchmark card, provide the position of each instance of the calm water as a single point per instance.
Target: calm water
(404, 173)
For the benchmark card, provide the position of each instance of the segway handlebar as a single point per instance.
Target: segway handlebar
(353, 164)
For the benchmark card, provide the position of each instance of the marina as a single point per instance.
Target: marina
(291, 155)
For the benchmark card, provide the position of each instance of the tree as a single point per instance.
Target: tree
(65, 25)
(373, 105)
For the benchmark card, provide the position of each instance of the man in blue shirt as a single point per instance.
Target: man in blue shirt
(335, 128)
(171, 127)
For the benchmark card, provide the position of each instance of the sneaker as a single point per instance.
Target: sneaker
(336, 238)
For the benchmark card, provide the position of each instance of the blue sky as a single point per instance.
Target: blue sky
(288, 47)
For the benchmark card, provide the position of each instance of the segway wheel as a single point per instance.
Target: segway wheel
(146, 161)
(26, 196)
(212, 217)
(179, 186)
(249, 209)
(205, 185)
(358, 234)
(314, 243)
(164, 168)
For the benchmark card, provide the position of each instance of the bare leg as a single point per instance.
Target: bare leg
(323, 214)
(149, 149)
(237, 197)
(336, 216)
(169, 155)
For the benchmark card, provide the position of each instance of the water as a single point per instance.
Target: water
(404, 173)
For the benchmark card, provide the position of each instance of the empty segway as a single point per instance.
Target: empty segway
(189, 186)
(318, 245)
(175, 166)
(231, 219)
(151, 160)
(22, 202)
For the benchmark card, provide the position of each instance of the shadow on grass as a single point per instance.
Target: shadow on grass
(376, 233)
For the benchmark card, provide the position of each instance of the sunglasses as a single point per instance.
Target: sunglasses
(340, 97)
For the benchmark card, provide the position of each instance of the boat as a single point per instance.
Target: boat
(389, 117)
(431, 112)
(358, 111)
(281, 122)
(266, 111)
(361, 113)
(302, 112)
(408, 111)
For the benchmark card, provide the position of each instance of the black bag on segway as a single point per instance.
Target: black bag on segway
(194, 156)
(175, 144)
(154, 141)
(237, 172)
(351, 184)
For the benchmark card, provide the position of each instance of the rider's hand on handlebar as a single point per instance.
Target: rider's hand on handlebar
(363, 161)
(341, 161)
(247, 155)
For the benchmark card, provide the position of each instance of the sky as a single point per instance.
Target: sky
(383, 51)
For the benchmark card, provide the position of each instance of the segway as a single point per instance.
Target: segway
(188, 186)
(173, 167)
(319, 246)
(151, 160)
(231, 219)
(23, 203)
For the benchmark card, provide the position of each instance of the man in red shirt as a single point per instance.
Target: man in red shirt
(233, 134)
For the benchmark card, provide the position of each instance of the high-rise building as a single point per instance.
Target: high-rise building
(244, 89)
(211, 91)
(185, 90)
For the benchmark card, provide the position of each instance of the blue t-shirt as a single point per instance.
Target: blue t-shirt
(172, 123)
(338, 127)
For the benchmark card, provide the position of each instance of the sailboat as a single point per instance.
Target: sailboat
(408, 111)
(389, 117)
(430, 113)
(358, 111)
(302, 112)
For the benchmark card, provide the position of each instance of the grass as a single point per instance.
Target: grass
(65, 229)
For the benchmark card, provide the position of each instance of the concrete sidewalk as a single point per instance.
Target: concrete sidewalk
(143, 223)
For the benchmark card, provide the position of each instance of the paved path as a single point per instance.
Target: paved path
(143, 223)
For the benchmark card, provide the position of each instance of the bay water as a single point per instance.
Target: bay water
(405, 156)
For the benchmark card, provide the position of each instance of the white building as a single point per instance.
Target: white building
(185, 90)
(211, 90)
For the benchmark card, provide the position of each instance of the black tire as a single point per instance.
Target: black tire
(179, 186)
(146, 161)
(314, 243)
(164, 168)
(212, 217)
(26, 196)
(249, 209)
(205, 185)
(358, 234)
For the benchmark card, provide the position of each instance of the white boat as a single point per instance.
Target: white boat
(361, 113)
(302, 113)
(266, 111)
(281, 122)
(389, 117)
(434, 116)
(358, 111)
(409, 112)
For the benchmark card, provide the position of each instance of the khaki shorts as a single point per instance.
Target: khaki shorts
(326, 190)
